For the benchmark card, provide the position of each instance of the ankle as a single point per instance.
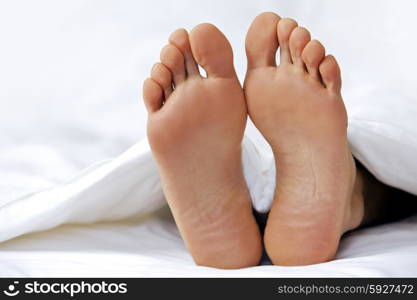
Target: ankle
(375, 197)
(382, 203)
(356, 209)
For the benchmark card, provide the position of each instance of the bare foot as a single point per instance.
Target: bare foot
(298, 108)
(195, 129)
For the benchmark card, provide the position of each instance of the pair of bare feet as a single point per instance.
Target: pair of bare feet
(195, 130)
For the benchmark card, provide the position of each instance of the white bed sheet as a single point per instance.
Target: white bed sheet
(69, 98)
(152, 247)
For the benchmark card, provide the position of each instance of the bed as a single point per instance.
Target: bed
(73, 130)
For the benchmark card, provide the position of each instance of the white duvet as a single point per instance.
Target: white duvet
(80, 196)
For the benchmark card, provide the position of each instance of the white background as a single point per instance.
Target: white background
(71, 71)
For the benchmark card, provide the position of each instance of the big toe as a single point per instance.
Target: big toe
(212, 51)
(262, 41)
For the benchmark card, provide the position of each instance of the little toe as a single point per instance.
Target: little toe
(163, 77)
(212, 51)
(173, 59)
(262, 41)
(330, 74)
(285, 28)
(298, 40)
(180, 39)
(312, 56)
(152, 95)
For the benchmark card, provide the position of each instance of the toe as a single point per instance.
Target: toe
(152, 95)
(179, 38)
(285, 28)
(312, 56)
(298, 40)
(163, 77)
(173, 59)
(330, 74)
(262, 41)
(212, 51)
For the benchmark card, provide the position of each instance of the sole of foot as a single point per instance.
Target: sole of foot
(195, 129)
(298, 107)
